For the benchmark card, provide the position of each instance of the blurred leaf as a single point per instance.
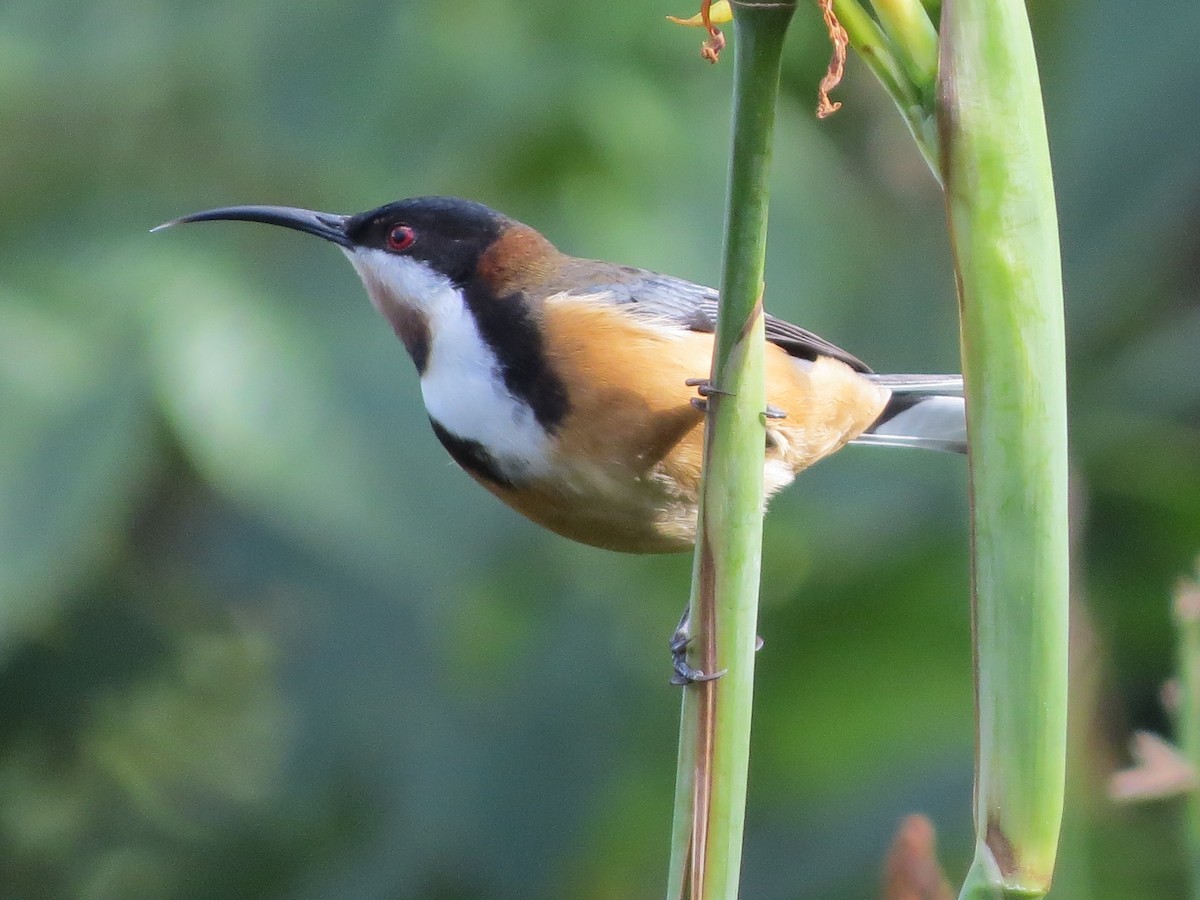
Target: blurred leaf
(76, 449)
(252, 391)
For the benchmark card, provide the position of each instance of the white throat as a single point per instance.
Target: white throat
(462, 384)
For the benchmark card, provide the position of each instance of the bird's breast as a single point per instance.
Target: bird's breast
(476, 415)
(620, 467)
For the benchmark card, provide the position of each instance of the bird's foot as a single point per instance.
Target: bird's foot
(704, 387)
(684, 673)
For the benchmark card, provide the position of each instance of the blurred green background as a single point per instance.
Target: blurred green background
(258, 638)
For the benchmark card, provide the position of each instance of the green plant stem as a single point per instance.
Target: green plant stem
(887, 62)
(1003, 225)
(1187, 623)
(715, 722)
(907, 23)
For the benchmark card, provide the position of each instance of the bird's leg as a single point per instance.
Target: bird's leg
(682, 672)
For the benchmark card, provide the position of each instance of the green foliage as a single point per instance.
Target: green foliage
(259, 639)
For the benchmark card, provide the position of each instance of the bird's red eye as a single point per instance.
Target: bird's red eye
(400, 238)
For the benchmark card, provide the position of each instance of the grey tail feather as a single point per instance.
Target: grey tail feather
(924, 411)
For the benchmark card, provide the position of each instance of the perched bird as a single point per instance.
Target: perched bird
(565, 386)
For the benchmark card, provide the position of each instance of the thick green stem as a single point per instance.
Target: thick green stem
(1000, 201)
(715, 728)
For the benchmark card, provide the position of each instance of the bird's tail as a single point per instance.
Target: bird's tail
(924, 411)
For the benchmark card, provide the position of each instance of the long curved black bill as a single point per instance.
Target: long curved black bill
(329, 226)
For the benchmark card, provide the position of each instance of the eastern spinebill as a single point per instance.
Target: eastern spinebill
(567, 386)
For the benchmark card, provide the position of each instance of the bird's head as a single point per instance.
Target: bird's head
(417, 257)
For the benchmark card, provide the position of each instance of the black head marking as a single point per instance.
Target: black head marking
(448, 234)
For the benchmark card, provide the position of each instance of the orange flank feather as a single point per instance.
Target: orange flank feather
(628, 454)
